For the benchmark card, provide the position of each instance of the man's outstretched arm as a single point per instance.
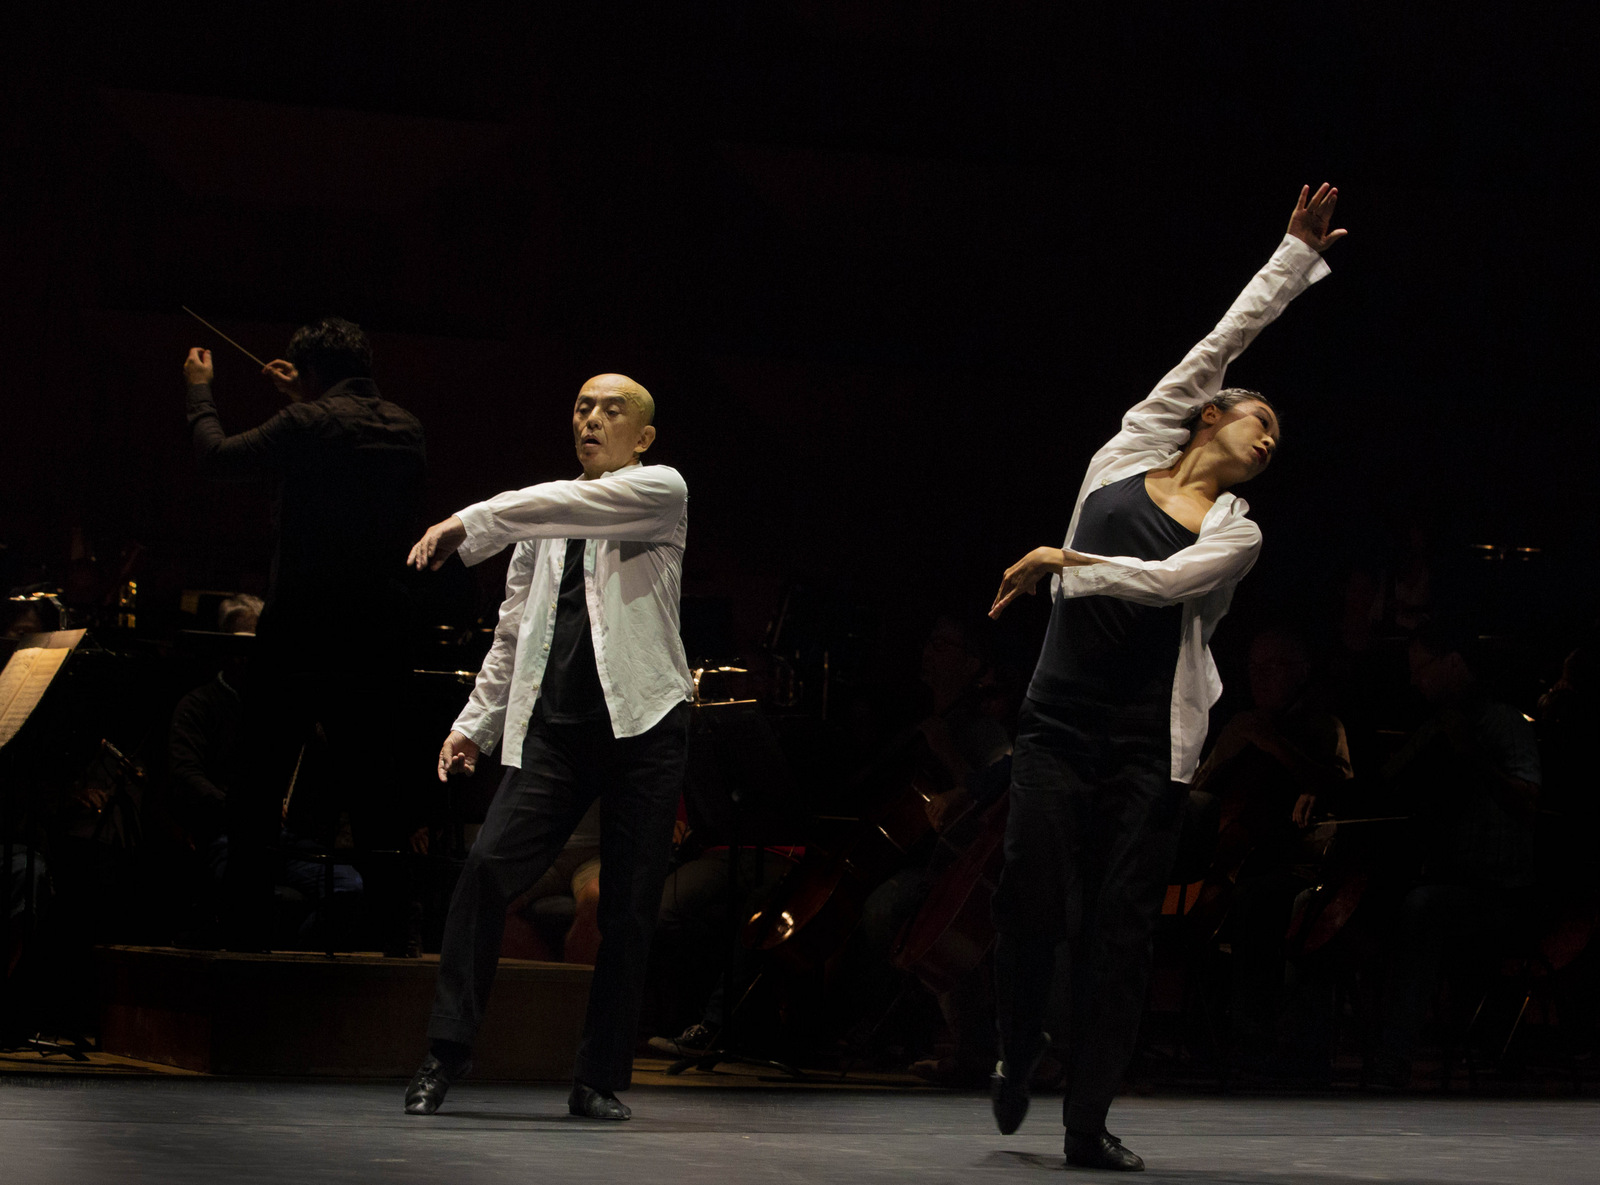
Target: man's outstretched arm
(642, 506)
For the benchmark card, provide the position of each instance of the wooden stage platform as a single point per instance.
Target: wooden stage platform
(306, 1015)
(182, 1129)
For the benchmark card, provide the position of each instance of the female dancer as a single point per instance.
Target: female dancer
(1116, 711)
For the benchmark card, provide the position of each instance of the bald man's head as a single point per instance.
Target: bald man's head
(635, 394)
(611, 423)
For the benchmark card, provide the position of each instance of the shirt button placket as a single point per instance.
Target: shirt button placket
(555, 603)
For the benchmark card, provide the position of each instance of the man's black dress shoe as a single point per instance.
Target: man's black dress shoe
(429, 1084)
(1101, 1150)
(592, 1104)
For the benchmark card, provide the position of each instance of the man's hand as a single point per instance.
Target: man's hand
(1024, 576)
(1312, 214)
(1303, 806)
(286, 378)
(197, 368)
(458, 756)
(437, 544)
(419, 841)
(91, 797)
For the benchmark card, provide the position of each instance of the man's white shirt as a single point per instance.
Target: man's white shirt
(1203, 575)
(636, 521)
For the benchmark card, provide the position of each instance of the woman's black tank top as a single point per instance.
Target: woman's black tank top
(1103, 647)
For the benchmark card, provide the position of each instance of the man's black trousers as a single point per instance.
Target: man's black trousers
(1089, 845)
(564, 768)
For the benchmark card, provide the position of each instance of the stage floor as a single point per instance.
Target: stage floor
(62, 1129)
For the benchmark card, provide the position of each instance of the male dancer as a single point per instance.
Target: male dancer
(1116, 711)
(588, 684)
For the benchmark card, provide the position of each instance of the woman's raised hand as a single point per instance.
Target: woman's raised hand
(1312, 214)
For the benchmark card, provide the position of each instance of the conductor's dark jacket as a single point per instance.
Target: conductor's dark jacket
(348, 469)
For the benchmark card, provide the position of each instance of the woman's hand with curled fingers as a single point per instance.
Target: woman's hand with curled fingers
(1024, 576)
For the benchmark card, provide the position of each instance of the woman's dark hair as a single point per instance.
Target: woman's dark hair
(1226, 400)
(333, 347)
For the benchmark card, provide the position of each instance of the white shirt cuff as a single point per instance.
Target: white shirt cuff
(1305, 258)
(476, 519)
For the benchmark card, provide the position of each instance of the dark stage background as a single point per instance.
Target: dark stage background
(892, 270)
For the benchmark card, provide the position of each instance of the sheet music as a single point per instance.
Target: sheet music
(27, 676)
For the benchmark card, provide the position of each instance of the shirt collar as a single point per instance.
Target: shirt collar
(356, 388)
(630, 465)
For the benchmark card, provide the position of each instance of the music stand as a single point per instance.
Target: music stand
(29, 672)
(738, 790)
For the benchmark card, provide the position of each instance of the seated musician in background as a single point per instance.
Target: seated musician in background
(1270, 766)
(1568, 723)
(576, 874)
(1472, 776)
(203, 743)
(956, 748)
(691, 952)
(204, 759)
(21, 617)
(347, 468)
(587, 683)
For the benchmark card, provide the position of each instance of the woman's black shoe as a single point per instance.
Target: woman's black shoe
(1008, 1089)
(429, 1084)
(1101, 1150)
(592, 1104)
